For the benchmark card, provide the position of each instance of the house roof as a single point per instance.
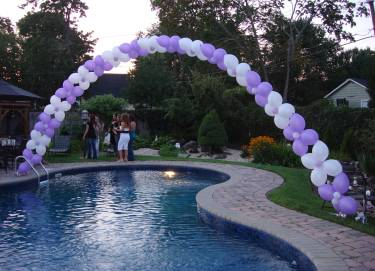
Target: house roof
(361, 82)
(108, 83)
(9, 91)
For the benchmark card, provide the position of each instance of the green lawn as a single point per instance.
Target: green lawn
(295, 193)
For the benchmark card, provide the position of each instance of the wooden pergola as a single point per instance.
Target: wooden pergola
(15, 103)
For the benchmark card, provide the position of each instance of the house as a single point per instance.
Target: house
(352, 92)
(108, 83)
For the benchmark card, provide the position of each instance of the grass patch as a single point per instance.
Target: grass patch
(295, 193)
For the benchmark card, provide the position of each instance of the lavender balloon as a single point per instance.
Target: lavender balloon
(71, 99)
(347, 205)
(261, 100)
(23, 168)
(54, 123)
(341, 183)
(264, 89)
(49, 132)
(36, 159)
(326, 192)
(90, 65)
(61, 93)
(125, 48)
(299, 148)
(163, 40)
(297, 123)
(309, 137)
(253, 79)
(208, 50)
(39, 126)
(45, 118)
(28, 154)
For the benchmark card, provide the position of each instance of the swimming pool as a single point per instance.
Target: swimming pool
(121, 220)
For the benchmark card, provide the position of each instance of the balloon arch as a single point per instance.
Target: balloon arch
(285, 117)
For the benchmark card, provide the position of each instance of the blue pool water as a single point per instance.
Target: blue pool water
(120, 220)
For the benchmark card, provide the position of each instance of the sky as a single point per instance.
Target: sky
(114, 22)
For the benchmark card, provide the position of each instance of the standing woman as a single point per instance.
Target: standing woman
(123, 142)
(90, 134)
(133, 127)
(113, 133)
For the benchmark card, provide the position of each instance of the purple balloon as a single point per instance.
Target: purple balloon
(221, 65)
(90, 65)
(309, 137)
(347, 205)
(98, 70)
(71, 99)
(61, 93)
(134, 45)
(299, 148)
(125, 48)
(250, 90)
(171, 49)
(23, 168)
(253, 78)
(39, 126)
(207, 50)
(297, 123)
(107, 66)
(28, 154)
(261, 100)
(218, 56)
(99, 61)
(36, 159)
(49, 132)
(133, 54)
(142, 52)
(341, 183)
(77, 91)
(174, 42)
(163, 40)
(68, 86)
(264, 89)
(45, 118)
(54, 123)
(326, 192)
(288, 133)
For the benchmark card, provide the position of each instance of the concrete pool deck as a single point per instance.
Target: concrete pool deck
(242, 199)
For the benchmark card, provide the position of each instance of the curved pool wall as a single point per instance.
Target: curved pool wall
(216, 216)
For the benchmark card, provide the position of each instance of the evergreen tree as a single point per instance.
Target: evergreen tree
(212, 133)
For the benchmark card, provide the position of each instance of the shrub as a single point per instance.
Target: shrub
(212, 133)
(347, 145)
(142, 142)
(259, 141)
(276, 154)
(168, 151)
(367, 163)
(161, 141)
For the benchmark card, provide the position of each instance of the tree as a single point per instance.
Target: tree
(47, 57)
(212, 133)
(9, 51)
(105, 106)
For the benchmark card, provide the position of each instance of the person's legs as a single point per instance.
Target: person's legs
(93, 144)
(130, 150)
(126, 139)
(120, 148)
(97, 141)
(88, 148)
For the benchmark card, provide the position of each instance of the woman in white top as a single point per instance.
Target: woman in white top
(123, 142)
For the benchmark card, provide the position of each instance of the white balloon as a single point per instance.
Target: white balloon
(60, 115)
(45, 140)
(241, 80)
(40, 149)
(196, 47)
(185, 44)
(231, 72)
(35, 134)
(66, 106)
(308, 161)
(108, 56)
(318, 176)
(49, 109)
(242, 69)
(286, 110)
(275, 99)
(155, 44)
(119, 56)
(230, 61)
(92, 77)
(82, 71)
(144, 43)
(332, 167)
(31, 145)
(55, 100)
(281, 122)
(270, 110)
(337, 195)
(84, 85)
(320, 150)
(116, 52)
(74, 78)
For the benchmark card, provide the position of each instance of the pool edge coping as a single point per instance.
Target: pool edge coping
(322, 257)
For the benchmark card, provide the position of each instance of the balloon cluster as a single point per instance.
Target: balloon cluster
(285, 117)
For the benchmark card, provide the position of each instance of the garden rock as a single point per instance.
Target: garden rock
(220, 156)
(190, 145)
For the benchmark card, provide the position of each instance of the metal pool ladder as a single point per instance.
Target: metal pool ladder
(32, 167)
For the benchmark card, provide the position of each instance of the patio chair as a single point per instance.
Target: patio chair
(61, 144)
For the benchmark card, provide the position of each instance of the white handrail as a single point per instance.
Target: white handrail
(27, 161)
(45, 169)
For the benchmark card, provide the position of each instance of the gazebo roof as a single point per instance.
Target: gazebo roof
(11, 92)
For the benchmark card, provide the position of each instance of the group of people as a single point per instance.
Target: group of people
(122, 135)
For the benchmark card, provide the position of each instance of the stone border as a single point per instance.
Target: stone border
(225, 202)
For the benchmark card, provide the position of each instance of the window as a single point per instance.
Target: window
(341, 102)
(364, 103)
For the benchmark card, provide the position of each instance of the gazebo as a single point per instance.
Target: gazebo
(15, 105)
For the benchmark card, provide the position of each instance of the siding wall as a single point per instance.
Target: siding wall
(352, 92)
